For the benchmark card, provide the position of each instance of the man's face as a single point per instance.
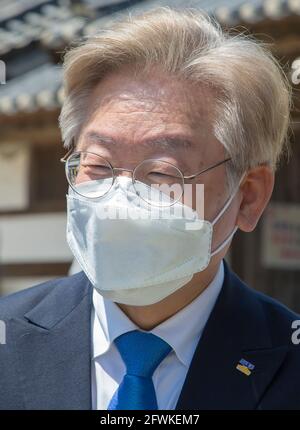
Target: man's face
(133, 118)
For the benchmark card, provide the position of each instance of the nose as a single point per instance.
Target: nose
(123, 172)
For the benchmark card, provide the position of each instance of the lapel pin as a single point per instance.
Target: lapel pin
(245, 367)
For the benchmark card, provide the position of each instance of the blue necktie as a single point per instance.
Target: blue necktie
(141, 352)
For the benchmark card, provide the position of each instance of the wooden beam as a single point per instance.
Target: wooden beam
(34, 269)
(47, 135)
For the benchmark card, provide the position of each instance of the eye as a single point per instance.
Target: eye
(95, 166)
(161, 178)
(158, 174)
(96, 171)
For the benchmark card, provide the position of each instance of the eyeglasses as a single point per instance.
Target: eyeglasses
(92, 176)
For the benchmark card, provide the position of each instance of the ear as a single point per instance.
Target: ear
(255, 190)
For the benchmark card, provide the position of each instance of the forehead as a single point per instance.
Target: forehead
(123, 98)
(151, 115)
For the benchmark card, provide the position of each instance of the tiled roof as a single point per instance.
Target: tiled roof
(57, 22)
(38, 88)
(50, 21)
(54, 23)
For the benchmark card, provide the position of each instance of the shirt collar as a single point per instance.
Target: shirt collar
(182, 331)
(109, 322)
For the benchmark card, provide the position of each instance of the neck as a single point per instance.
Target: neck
(147, 317)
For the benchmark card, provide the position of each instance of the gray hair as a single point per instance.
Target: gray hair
(253, 94)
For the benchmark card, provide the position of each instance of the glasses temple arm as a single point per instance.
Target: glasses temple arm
(205, 170)
(65, 157)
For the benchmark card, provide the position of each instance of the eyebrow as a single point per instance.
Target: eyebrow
(167, 141)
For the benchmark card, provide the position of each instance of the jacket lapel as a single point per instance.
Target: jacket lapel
(53, 345)
(236, 329)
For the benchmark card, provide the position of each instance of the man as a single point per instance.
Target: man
(156, 319)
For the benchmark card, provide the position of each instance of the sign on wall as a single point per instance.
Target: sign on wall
(34, 238)
(14, 176)
(281, 236)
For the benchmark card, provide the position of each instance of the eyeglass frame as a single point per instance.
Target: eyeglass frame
(71, 151)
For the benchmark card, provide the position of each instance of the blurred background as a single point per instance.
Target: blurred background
(33, 36)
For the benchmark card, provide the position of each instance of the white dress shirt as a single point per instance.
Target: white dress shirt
(182, 332)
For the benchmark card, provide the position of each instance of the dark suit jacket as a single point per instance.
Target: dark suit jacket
(46, 361)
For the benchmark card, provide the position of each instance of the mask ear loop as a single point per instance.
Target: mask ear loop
(223, 244)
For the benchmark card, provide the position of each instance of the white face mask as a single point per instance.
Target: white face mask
(138, 260)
